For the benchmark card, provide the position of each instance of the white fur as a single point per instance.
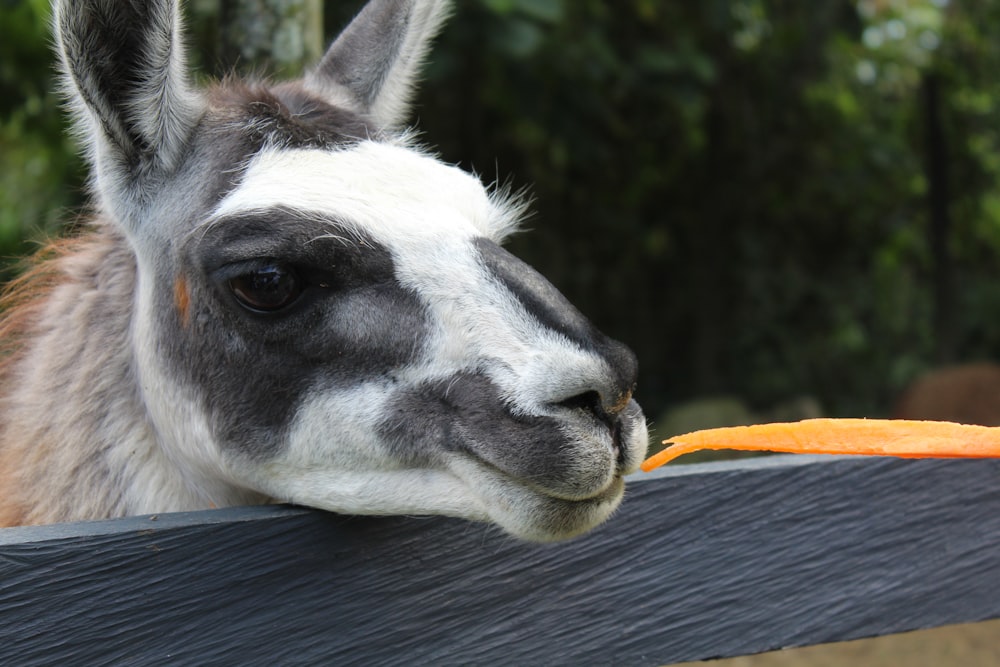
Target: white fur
(356, 475)
(334, 462)
(364, 182)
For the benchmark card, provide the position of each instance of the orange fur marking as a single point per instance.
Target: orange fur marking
(182, 299)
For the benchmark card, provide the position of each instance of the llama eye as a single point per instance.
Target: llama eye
(266, 289)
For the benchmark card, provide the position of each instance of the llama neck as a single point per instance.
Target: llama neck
(77, 442)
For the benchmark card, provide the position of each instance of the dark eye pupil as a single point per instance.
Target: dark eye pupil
(267, 289)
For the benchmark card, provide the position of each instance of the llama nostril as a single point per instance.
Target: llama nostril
(620, 404)
(588, 401)
(595, 404)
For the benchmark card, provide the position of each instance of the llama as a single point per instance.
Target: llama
(280, 296)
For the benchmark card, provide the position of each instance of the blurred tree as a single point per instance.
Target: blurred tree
(274, 37)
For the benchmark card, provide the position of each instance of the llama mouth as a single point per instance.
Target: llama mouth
(530, 512)
(614, 485)
(537, 515)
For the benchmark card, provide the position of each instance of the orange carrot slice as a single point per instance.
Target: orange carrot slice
(869, 437)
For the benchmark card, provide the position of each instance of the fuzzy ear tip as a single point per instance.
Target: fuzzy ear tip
(381, 88)
(125, 82)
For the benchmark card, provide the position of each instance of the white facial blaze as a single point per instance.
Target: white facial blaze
(394, 192)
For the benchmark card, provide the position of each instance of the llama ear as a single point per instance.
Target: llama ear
(124, 70)
(377, 58)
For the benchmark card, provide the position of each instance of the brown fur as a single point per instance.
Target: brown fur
(286, 114)
(58, 284)
(24, 297)
(21, 305)
(12, 511)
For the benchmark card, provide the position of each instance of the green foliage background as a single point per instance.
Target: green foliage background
(736, 188)
(40, 174)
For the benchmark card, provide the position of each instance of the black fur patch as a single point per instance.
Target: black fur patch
(547, 304)
(251, 372)
(353, 322)
(465, 412)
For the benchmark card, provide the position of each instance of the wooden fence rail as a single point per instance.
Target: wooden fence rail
(702, 561)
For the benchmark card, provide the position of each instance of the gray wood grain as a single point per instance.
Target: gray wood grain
(702, 561)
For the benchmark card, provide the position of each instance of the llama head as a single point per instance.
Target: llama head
(323, 313)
